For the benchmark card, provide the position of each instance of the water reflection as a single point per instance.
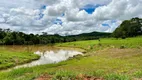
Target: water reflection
(48, 57)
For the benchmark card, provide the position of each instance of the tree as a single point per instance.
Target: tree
(129, 28)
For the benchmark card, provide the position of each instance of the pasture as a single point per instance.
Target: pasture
(109, 59)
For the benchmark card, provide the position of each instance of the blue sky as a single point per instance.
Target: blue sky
(58, 21)
(67, 17)
(105, 25)
(90, 8)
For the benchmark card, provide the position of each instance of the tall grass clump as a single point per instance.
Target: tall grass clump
(97, 73)
(114, 76)
(19, 72)
(138, 74)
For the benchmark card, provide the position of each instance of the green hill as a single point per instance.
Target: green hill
(90, 36)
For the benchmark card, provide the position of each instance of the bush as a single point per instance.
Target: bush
(122, 47)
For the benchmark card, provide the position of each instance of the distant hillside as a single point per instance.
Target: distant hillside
(90, 36)
(8, 37)
(129, 28)
(96, 34)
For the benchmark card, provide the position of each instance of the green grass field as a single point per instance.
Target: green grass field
(12, 57)
(109, 59)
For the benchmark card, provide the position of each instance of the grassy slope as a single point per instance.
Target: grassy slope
(103, 59)
(12, 57)
(111, 42)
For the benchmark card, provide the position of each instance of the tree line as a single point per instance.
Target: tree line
(8, 37)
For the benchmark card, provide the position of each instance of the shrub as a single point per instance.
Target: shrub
(122, 47)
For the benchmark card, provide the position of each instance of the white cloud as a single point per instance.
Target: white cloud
(76, 15)
(119, 9)
(29, 16)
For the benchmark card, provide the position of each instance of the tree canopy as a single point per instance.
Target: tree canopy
(8, 37)
(129, 28)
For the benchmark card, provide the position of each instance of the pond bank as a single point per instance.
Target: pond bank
(12, 56)
(50, 57)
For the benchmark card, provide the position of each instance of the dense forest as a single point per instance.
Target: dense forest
(129, 28)
(8, 37)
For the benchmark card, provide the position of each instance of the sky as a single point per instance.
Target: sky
(67, 17)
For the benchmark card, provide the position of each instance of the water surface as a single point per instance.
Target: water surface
(48, 57)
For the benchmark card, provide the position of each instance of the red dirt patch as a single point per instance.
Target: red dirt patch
(84, 77)
(44, 77)
(79, 77)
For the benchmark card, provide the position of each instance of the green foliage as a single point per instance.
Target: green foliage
(64, 75)
(109, 63)
(10, 58)
(19, 72)
(138, 74)
(9, 37)
(97, 73)
(122, 47)
(117, 77)
(129, 28)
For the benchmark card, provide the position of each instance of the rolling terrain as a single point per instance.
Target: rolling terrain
(107, 59)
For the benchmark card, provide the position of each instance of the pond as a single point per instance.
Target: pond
(48, 57)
